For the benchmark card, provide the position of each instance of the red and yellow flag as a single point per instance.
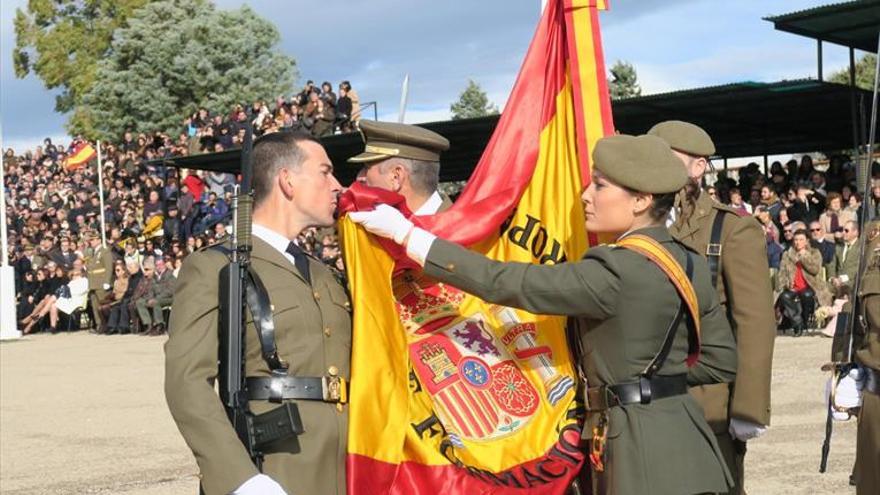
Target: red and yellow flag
(450, 394)
(80, 156)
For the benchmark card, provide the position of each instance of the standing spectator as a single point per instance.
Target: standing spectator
(801, 284)
(355, 115)
(343, 110)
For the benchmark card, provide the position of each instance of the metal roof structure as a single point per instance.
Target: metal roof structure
(744, 119)
(851, 24)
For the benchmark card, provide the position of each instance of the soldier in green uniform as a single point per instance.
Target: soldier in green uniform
(294, 189)
(867, 474)
(99, 269)
(404, 159)
(655, 437)
(737, 254)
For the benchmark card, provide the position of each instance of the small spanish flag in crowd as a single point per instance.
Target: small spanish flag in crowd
(81, 154)
(450, 394)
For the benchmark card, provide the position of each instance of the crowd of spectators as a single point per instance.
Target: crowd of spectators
(810, 216)
(154, 215)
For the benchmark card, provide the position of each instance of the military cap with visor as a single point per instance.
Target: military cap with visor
(383, 140)
(640, 163)
(685, 137)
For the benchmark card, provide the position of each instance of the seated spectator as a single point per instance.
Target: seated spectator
(834, 217)
(141, 291)
(770, 200)
(119, 319)
(801, 285)
(72, 299)
(843, 269)
(114, 300)
(806, 205)
(820, 241)
(738, 204)
(158, 296)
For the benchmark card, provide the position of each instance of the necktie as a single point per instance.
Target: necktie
(301, 260)
(835, 223)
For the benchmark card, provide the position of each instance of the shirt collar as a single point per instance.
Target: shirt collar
(272, 238)
(434, 202)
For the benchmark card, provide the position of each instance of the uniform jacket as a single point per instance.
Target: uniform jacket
(313, 334)
(746, 298)
(665, 447)
(100, 268)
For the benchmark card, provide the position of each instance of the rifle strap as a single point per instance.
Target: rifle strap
(713, 249)
(260, 307)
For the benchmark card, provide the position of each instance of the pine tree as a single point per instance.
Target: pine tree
(624, 81)
(61, 42)
(178, 55)
(472, 102)
(865, 67)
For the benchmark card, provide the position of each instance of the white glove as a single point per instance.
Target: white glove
(106, 286)
(260, 485)
(744, 430)
(848, 394)
(384, 221)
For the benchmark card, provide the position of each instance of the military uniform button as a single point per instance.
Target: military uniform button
(450, 267)
(333, 371)
(317, 295)
(327, 331)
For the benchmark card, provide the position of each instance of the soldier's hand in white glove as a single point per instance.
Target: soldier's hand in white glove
(386, 221)
(744, 430)
(260, 485)
(106, 286)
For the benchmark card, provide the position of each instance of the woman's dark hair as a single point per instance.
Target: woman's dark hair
(661, 206)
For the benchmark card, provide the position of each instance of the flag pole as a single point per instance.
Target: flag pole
(101, 197)
(8, 330)
(404, 95)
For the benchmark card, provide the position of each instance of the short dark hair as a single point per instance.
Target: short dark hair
(271, 153)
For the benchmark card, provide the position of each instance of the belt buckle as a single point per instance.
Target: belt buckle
(611, 398)
(713, 249)
(334, 389)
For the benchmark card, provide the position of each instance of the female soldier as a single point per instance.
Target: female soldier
(636, 328)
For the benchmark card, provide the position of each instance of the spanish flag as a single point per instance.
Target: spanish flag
(80, 156)
(450, 394)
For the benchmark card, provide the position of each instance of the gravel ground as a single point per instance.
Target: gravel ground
(83, 413)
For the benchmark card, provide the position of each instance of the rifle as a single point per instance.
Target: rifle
(853, 325)
(241, 288)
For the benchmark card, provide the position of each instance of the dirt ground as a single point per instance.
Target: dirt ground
(83, 413)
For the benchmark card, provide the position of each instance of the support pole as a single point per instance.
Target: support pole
(8, 323)
(101, 198)
(819, 57)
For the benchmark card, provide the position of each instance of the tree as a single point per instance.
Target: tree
(624, 81)
(864, 73)
(61, 42)
(472, 102)
(176, 56)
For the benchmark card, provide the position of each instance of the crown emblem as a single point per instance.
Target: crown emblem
(424, 304)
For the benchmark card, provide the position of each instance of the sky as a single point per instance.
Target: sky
(673, 44)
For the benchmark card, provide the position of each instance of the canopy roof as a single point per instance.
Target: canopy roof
(744, 119)
(852, 24)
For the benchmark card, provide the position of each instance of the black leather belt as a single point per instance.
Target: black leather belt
(278, 388)
(872, 380)
(641, 392)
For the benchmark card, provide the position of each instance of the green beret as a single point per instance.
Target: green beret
(685, 137)
(384, 140)
(641, 163)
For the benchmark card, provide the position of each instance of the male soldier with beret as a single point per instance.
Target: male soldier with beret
(404, 159)
(294, 189)
(735, 248)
